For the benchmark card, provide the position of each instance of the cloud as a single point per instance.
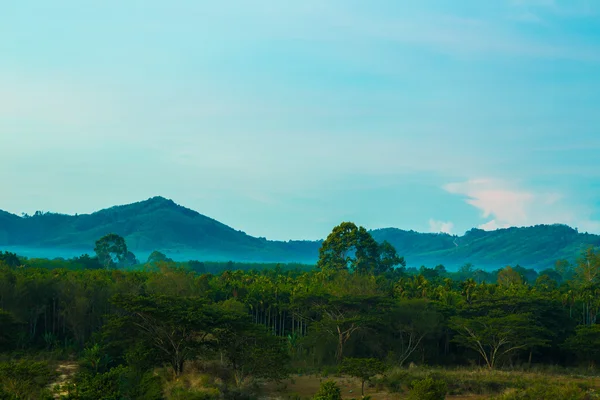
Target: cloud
(492, 226)
(440, 226)
(503, 204)
(508, 206)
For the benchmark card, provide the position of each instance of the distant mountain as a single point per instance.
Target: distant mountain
(183, 234)
(154, 224)
(532, 247)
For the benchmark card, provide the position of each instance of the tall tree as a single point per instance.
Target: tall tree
(388, 258)
(178, 327)
(350, 247)
(157, 256)
(111, 250)
(494, 336)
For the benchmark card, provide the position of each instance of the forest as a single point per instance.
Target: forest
(356, 324)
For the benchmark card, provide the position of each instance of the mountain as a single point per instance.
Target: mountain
(532, 247)
(183, 234)
(154, 224)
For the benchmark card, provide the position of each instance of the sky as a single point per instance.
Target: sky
(285, 118)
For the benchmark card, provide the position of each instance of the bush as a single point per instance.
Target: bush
(120, 382)
(26, 380)
(329, 390)
(181, 393)
(428, 389)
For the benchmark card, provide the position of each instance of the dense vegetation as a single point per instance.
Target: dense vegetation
(137, 330)
(184, 234)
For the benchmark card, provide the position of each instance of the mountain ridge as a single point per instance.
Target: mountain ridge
(161, 224)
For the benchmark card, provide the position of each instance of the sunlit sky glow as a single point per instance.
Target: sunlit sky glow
(285, 118)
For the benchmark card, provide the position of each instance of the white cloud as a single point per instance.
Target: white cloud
(504, 204)
(440, 226)
(492, 226)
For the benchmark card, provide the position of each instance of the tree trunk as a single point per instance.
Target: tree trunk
(340, 349)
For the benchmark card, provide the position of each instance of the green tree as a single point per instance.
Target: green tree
(349, 247)
(111, 250)
(410, 321)
(496, 335)
(9, 328)
(585, 343)
(509, 277)
(388, 258)
(129, 260)
(251, 350)
(178, 327)
(10, 259)
(428, 389)
(157, 256)
(363, 369)
(565, 269)
(341, 317)
(329, 390)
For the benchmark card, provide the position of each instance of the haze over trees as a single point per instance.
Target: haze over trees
(158, 224)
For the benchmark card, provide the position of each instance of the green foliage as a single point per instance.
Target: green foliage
(95, 359)
(585, 343)
(9, 259)
(428, 389)
(111, 250)
(183, 393)
(125, 325)
(329, 390)
(251, 350)
(25, 380)
(157, 256)
(351, 247)
(547, 390)
(9, 328)
(496, 335)
(362, 368)
(118, 383)
(173, 325)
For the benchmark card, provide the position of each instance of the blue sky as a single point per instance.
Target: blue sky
(283, 119)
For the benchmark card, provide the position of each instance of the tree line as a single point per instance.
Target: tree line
(359, 302)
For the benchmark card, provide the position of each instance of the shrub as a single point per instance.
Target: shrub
(428, 389)
(181, 393)
(26, 379)
(329, 390)
(119, 382)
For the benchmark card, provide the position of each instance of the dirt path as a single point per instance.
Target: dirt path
(66, 370)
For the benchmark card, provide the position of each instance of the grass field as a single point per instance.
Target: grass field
(462, 383)
(395, 384)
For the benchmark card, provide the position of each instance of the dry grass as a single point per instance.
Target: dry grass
(306, 386)
(469, 384)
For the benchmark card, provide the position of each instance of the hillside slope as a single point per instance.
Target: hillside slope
(160, 224)
(533, 247)
(156, 223)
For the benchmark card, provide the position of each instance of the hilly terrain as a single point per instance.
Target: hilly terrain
(183, 234)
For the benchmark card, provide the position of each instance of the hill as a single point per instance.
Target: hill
(160, 224)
